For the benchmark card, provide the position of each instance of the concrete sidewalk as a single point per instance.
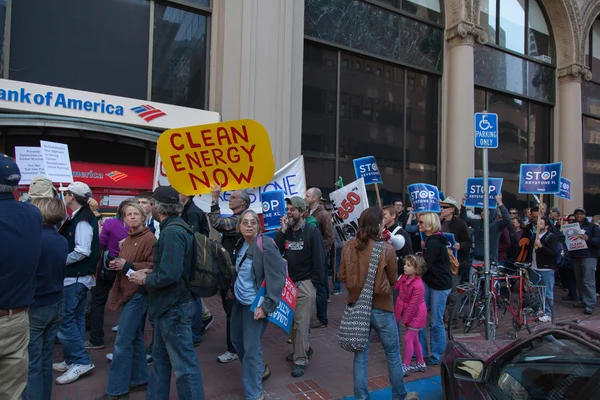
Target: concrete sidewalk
(328, 376)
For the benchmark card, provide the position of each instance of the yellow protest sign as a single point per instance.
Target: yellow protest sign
(233, 154)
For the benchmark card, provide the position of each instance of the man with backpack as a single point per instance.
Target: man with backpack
(548, 255)
(239, 201)
(170, 303)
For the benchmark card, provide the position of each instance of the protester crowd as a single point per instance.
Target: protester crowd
(58, 265)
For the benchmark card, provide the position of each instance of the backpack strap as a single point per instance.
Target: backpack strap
(183, 225)
(259, 243)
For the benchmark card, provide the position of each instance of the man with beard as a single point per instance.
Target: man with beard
(302, 246)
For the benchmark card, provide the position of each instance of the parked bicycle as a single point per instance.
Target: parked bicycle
(515, 288)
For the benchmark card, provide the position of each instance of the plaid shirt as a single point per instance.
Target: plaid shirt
(227, 226)
(172, 261)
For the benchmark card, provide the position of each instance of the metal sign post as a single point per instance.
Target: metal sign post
(486, 137)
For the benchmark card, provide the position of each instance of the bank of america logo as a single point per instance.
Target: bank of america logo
(147, 112)
(116, 175)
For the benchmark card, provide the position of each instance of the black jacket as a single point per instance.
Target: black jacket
(304, 252)
(402, 218)
(593, 242)
(438, 275)
(195, 218)
(545, 256)
(461, 234)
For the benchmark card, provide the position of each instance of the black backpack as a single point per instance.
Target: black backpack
(212, 270)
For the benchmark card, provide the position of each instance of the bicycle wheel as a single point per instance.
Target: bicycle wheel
(457, 321)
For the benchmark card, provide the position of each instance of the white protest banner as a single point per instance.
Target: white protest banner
(31, 163)
(348, 203)
(290, 178)
(572, 239)
(57, 162)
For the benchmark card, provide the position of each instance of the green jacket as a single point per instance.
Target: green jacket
(172, 266)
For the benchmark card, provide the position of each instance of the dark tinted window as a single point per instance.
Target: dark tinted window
(179, 57)
(94, 45)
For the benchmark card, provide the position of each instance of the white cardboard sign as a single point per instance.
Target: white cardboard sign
(348, 203)
(57, 162)
(31, 163)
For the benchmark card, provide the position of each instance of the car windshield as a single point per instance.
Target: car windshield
(553, 366)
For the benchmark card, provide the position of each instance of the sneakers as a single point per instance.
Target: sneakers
(316, 324)
(290, 357)
(418, 368)
(74, 372)
(579, 305)
(60, 367)
(589, 310)
(298, 370)
(545, 318)
(206, 324)
(406, 369)
(108, 397)
(149, 360)
(88, 345)
(115, 328)
(227, 357)
(266, 373)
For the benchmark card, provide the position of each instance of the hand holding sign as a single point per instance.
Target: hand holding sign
(233, 155)
(424, 197)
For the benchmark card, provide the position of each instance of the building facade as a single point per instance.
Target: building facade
(330, 79)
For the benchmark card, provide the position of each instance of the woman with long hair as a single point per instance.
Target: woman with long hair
(437, 280)
(354, 266)
(128, 370)
(114, 231)
(257, 259)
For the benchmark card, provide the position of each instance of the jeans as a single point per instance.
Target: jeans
(246, 333)
(227, 306)
(547, 279)
(385, 326)
(585, 276)
(71, 332)
(337, 284)
(197, 320)
(323, 295)
(99, 298)
(173, 349)
(435, 300)
(43, 327)
(129, 366)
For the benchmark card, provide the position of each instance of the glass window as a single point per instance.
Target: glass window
(426, 9)
(524, 136)
(551, 366)
(374, 109)
(94, 45)
(383, 33)
(591, 165)
(487, 16)
(2, 27)
(512, 25)
(179, 57)
(596, 51)
(539, 45)
(319, 102)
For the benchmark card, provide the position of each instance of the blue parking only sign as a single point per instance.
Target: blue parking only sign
(486, 130)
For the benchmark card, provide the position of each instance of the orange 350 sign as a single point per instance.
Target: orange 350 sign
(233, 154)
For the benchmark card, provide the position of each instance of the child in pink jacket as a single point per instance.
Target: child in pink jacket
(410, 308)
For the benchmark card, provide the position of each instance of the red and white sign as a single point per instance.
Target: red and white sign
(113, 176)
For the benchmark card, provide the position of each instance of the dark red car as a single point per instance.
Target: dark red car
(559, 362)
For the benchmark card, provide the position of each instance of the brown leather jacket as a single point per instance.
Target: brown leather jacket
(354, 266)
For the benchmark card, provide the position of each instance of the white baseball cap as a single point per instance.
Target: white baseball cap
(78, 188)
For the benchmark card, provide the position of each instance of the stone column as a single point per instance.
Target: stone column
(257, 52)
(569, 136)
(458, 156)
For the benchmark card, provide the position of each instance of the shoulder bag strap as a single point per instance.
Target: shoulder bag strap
(366, 294)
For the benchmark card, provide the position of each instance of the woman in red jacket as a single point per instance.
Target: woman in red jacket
(410, 308)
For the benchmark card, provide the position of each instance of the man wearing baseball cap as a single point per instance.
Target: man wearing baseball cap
(584, 262)
(81, 232)
(20, 243)
(170, 302)
(302, 245)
